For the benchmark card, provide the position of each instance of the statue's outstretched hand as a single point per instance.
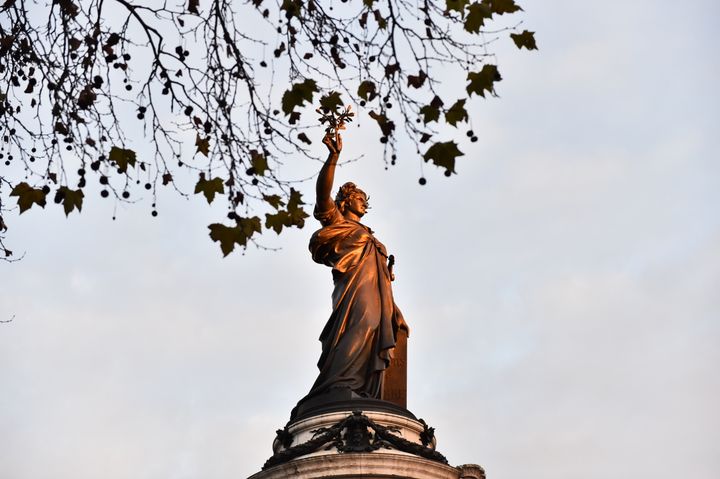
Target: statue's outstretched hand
(333, 143)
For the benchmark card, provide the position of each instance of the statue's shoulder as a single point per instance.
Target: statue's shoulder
(328, 214)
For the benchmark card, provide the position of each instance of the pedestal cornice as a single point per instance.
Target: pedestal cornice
(356, 444)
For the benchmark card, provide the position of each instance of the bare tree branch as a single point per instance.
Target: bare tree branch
(76, 74)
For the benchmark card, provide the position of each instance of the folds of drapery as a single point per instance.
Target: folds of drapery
(358, 338)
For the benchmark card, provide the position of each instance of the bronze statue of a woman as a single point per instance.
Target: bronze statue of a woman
(359, 337)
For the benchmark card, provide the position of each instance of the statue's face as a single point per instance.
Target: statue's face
(358, 204)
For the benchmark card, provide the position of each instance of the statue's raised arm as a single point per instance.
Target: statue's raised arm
(326, 177)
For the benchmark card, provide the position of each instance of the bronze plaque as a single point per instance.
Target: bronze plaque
(394, 388)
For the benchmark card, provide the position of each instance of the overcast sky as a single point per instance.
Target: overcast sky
(563, 289)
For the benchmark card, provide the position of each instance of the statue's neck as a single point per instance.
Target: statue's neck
(349, 215)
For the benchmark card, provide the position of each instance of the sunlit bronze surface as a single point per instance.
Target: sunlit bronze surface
(359, 338)
(394, 388)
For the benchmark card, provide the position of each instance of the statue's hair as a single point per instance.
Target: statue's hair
(345, 193)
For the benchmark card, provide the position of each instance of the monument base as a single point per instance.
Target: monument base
(364, 465)
(360, 444)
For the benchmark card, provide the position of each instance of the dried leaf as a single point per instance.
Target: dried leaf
(456, 113)
(28, 196)
(477, 14)
(443, 154)
(122, 158)
(502, 6)
(483, 81)
(367, 90)
(229, 236)
(71, 199)
(258, 162)
(202, 144)
(297, 95)
(209, 187)
(294, 215)
(416, 81)
(429, 113)
(331, 101)
(525, 39)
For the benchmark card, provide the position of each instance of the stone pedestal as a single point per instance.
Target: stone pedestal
(362, 465)
(360, 444)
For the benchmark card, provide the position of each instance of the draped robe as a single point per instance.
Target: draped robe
(358, 339)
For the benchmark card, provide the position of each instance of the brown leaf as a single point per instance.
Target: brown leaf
(416, 81)
(71, 199)
(258, 162)
(209, 187)
(443, 154)
(367, 90)
(203, 145)
(122, 158)
(385, 125)
(525, 39)
(28, 196)
(74, 44)
(390, 70)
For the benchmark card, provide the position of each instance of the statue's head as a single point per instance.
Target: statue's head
(351, 198)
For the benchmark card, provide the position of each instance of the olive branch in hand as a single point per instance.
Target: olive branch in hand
(335, 120)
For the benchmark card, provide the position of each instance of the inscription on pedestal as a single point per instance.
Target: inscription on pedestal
(395, 382)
